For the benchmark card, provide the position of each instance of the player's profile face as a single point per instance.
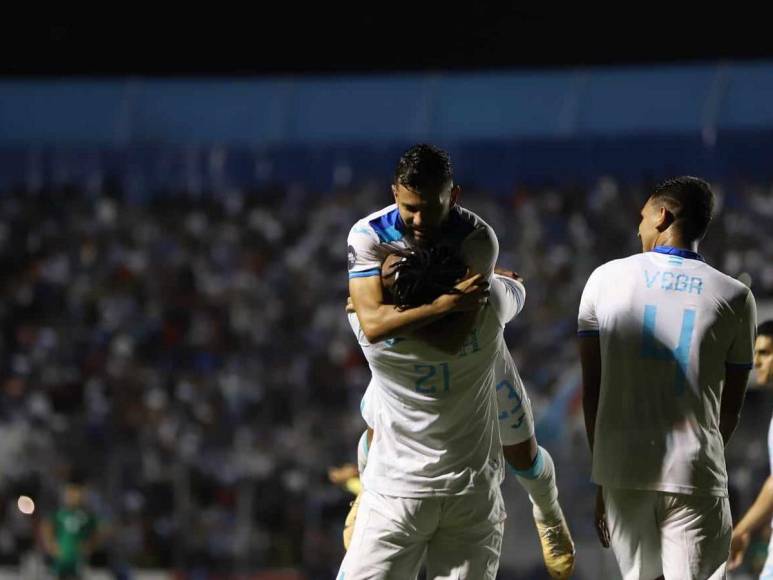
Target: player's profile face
(763, 360)
(423, 213)
(648, 226)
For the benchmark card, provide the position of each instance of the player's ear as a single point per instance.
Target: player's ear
(456, 190)
(665, 219)
(394, 191)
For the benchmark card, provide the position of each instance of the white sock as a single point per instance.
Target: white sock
(539, 481)
(362, 452)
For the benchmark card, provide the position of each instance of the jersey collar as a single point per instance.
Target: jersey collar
(678, 252)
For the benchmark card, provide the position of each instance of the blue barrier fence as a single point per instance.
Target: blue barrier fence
(502, 128)
(697, 100)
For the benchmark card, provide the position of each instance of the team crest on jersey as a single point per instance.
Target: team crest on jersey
(352, 256)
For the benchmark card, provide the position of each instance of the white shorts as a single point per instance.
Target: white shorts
(460, 537)
(516, 420)
(678, 536)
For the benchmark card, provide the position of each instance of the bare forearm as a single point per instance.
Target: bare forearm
(760, 512)
(380, 321)
(386, 321)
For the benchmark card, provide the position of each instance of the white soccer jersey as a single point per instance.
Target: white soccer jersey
(381, 233)
(435, 415)
(668, 326)
(516, 422)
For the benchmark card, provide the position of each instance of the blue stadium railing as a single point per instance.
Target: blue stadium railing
(504, 128)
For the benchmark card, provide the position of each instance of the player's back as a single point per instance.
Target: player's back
(435, 415)
(668, 325)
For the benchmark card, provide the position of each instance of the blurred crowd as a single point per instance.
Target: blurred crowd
(190, 355)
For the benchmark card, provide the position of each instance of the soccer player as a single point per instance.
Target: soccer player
(426, 215)
(666, 348)
(761, 510)
(71, 535)
(531, 464)
(436, 445)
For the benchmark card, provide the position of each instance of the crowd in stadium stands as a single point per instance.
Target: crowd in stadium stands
(191, 358)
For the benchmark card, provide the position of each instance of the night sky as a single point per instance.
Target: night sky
(368, 37)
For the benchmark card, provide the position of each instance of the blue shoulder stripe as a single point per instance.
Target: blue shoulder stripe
(365, 273)
(388, 227)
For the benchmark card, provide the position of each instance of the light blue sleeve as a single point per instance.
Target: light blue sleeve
(480, 251)
(507, 297)
(362, 258)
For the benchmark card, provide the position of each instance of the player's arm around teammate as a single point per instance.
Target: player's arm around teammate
(424, 215)
(381, 321)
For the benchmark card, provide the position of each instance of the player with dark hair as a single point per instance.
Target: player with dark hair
(72, 534)
(761, 511)
(424, 274)
(666, 349)
(425, 213)
(454, 404)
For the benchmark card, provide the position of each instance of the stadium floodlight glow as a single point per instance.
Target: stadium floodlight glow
(26, 505)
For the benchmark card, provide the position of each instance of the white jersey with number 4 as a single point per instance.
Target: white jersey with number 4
(435, 414)
(668, 326)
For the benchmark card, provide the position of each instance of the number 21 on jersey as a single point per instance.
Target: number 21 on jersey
(433, 378)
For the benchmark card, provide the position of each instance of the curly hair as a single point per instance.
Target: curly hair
(423, 274)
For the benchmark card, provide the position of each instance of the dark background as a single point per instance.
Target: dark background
(256, 39)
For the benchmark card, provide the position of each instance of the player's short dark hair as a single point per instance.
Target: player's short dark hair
(77, 477)
(424, 274)
(691, 201)
(424, 168)
(765, 329)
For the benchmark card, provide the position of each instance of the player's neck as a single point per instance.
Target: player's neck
(675, 240)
